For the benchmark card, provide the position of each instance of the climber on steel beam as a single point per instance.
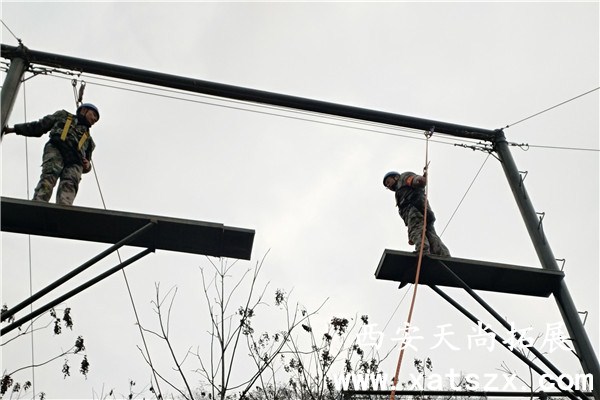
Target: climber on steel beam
(67, 154)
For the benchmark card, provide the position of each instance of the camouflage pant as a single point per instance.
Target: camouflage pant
(433, 244)
(53, 169)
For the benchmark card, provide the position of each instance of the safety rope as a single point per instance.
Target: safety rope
(137, 318)
(419, 262)
(29, 243)
(78, 101)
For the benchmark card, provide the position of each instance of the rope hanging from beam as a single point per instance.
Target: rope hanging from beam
(420, 259)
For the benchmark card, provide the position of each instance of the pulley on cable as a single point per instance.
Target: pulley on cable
(78, 94)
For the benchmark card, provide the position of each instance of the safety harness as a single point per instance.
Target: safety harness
(65, 131)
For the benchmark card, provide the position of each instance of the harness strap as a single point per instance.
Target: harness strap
(82, 140)
(65, 131)
(63, 135)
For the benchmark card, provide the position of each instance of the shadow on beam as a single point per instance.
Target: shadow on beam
(106, 226)
(400, 266)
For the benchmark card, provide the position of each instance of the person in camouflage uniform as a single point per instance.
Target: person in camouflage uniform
(67, 154)
(410, 199)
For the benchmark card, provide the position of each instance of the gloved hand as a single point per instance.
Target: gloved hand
(87, 166)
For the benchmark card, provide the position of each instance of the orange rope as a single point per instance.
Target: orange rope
(414, 296)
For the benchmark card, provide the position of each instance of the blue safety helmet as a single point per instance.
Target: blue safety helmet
(89, 106)
(391, 173)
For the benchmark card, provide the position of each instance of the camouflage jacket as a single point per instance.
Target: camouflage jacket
(408, 196)
(76, 143)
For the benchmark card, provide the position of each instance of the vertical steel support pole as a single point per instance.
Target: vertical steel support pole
(11, 86)
(583, 346)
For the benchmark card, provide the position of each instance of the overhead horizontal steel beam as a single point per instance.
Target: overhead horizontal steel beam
(242, 93)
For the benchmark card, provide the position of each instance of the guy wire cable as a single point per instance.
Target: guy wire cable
(389, 320)
(550, 108)
(465, 195)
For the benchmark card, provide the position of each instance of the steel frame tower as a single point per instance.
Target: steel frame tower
(21, 58)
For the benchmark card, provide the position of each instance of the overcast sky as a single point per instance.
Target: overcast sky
(309, 187)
